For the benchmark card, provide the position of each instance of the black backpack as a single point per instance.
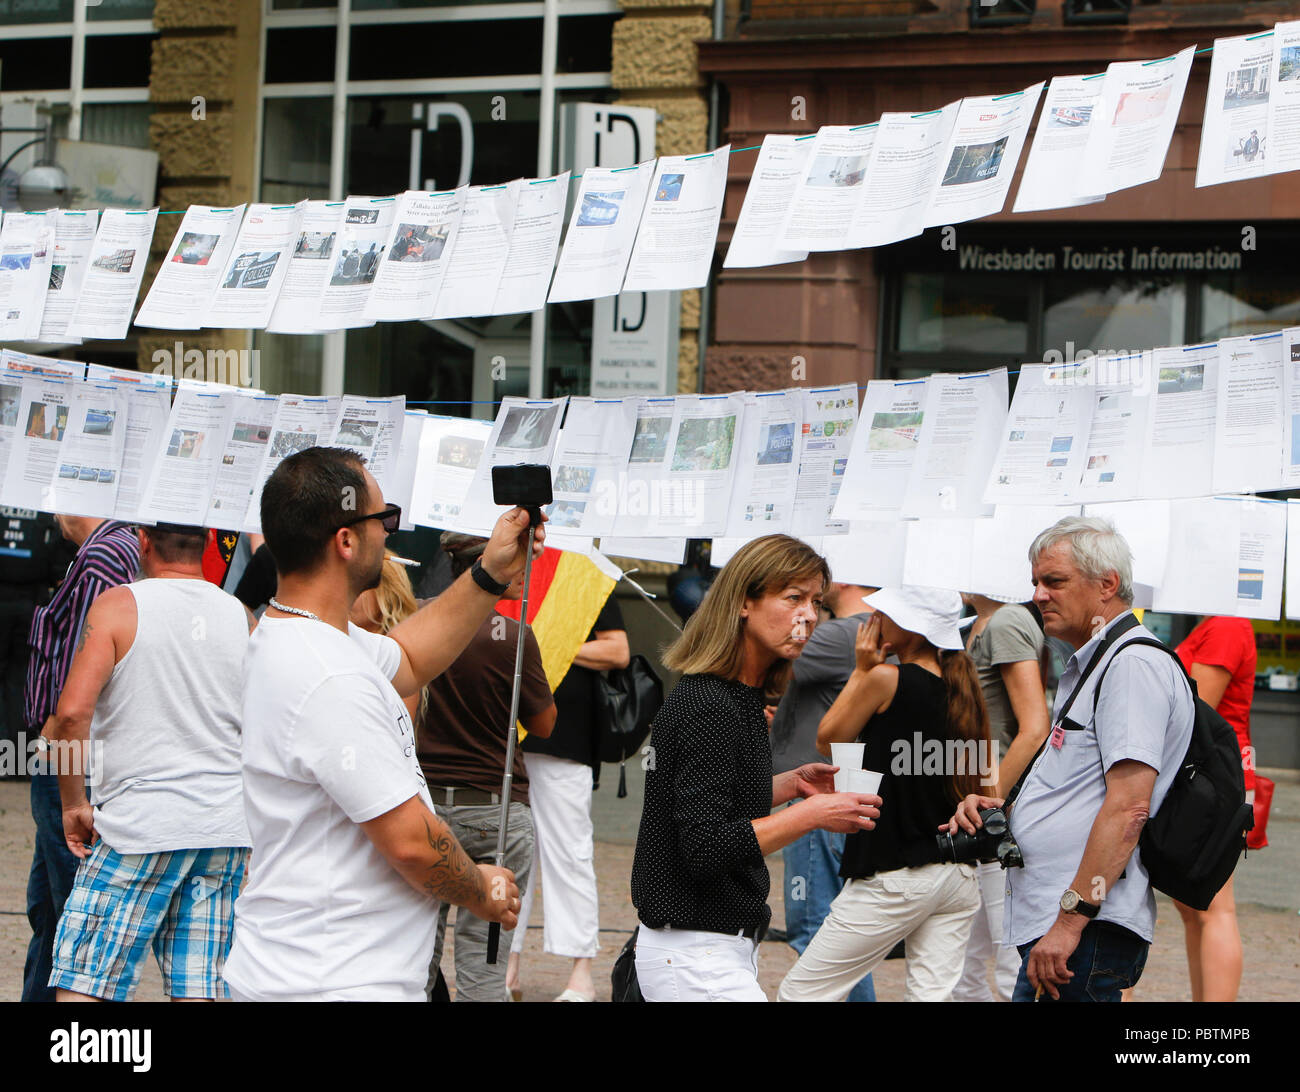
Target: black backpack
(627, 700)
(1191, 844)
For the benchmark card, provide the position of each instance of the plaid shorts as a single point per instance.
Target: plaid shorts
(182, 902)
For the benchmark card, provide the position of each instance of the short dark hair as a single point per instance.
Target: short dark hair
(177, 545)
(305, 501)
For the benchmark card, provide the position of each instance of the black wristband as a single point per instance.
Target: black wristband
(484, 580)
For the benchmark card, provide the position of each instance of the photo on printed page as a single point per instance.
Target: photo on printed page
(974, 162)
(315, 245)
(670, 187)
(650, 441)
(252, 269)
(704, 443)
(462, 452)
(601, 209)
(195, 248)
(894, 431)
(526, 427)
(837, 171)
(420, 242)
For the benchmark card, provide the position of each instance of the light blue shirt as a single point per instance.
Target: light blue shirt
(1144, 713)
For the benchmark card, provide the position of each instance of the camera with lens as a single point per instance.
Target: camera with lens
(991, 842)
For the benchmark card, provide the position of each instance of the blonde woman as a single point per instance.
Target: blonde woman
(698, 878)
(381, 608)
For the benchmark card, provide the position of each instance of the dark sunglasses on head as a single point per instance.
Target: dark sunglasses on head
(390, 517)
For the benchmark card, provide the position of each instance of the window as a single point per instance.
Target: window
(1000, 13)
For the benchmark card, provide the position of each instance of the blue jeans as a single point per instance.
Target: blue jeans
(1109, 958)
(53, 870)
(812, 880)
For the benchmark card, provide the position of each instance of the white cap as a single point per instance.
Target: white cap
(931, 612)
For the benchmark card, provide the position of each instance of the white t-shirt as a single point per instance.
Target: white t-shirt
(327, 745)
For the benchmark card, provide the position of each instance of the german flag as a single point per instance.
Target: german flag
(565, 596)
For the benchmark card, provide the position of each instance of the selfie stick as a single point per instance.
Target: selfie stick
(512, 734)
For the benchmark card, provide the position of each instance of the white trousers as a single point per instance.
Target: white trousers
(688, 965)
(931, 907)
(986, 943)
(559, 794)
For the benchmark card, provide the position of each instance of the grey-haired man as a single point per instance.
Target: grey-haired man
(1082, 911)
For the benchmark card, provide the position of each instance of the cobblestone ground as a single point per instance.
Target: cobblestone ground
(1267, 885)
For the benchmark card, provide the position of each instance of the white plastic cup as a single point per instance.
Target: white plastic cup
(865, 781)
(848, 757)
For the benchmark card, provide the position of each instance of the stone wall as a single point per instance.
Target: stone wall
(656, 64)
(203, 86)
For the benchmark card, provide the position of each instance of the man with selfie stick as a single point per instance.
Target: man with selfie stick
(349, 859)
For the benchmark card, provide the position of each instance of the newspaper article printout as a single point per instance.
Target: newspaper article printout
(1179, 457)
(1248, 415)
(403, 475)
(450, 450)
(870, 554)
(681, 466)
(412, 260)
(242, 453)
(1283, 125)
(90, 464)
(525, 431)
(981, 156)
(26, 253)
(1044, 444)
(310, 264)
(180, 294)
(1068, 117)
(671, 551)
(1000, 548)
(113, 274)
(767, 471)
(256, 266)
(939, 553)
(829, 192)
(300, 421)
(884, 448)
(44, 404)
(602, 231)
(679, 229)
(355, 263)
(830, 415)
(1292, 597)
(74, 234)
(179, 484)
(1234, 127)
(372, 427)
(1236, 566)
(1121, 406)
(590, 465)
(776, 174)
(14, 367)
(148, 405)
(906, 167)
(1137, 112)
(478, 260)
(534, 242)
(962, 422)
(1145, 527)
(1290, 409)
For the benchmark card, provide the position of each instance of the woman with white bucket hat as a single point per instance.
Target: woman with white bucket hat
(925, 729)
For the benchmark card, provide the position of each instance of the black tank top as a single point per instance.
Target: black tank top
(903, 743)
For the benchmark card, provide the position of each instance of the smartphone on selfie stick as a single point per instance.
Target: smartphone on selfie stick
(528, 486)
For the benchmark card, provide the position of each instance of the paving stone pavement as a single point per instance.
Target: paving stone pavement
(1267, 891)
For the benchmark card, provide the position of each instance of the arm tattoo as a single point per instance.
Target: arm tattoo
(453, 877)
(85, 634)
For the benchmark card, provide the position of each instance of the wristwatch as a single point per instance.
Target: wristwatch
(483, 579)
(1072, 903)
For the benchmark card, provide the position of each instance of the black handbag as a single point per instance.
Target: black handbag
(627, 700)
(623, 977)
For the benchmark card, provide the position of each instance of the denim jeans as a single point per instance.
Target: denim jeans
(1109, 958)
(53, 870)
(812, 880)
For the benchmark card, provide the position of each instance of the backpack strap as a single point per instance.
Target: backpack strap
(1150, 642)
(1119, 629)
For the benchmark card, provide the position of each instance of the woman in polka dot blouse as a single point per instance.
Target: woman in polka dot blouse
(698, 878)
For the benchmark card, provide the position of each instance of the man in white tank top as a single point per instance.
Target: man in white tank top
(155, 690)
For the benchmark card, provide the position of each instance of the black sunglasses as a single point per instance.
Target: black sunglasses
(390, 517)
